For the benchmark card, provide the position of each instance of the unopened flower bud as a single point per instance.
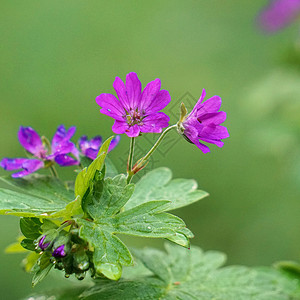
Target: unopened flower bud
(59, 251)
(47, 239)
(61, 246)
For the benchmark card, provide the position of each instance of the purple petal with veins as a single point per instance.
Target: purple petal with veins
(31, 141)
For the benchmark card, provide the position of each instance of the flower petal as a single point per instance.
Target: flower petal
(29, 166)
(91, 153)
(65, 160)
(61, 138)
(161, 100)
(110, 106)
(114, 142)
(10, 164)
(96, 142)
(199, 103)
(211, 105)
(149, 93)
(215, 132)
(133, 88)
(120, 89)
(120, 127)
(213, 118)
(133, 131)
(219, 143)
(31, 141)
(155, 123)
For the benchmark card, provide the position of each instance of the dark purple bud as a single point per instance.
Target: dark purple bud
(59, 251)
(43, 245)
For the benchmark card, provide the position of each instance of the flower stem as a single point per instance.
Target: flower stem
(53, 171)
(143, 161)
(130, 159)
(150, 152)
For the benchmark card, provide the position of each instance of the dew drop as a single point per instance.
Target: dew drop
(109, 110)
(149, 227)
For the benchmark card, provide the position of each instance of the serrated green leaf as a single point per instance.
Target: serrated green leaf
(108, 196)
(110, 254)
(19, 204)
(182, 274)
(158, 185)
(41, 186)
(147, 220)
(83, 179)
(36, 196)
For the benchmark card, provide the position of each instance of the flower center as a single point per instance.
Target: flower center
(134, 117)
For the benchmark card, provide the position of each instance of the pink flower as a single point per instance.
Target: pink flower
(135, 111)
(203, 123)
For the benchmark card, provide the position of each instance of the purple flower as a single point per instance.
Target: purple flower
(278, 14)
(59, 251)
(43, 245)
(203, 123)
(60, 148)
(90, 148)
(135, 111)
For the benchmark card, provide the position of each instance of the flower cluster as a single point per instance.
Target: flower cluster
(61, 150)
(138, 112)
(65, 250)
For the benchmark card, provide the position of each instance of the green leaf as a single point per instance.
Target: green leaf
(19, 204)
(41, 268)
(85, 177)
(108, 197)
(36, 196)
(147, 220)
(28, 244)
(103, 203)
(110, 254)
(31, 227)
(41, 186)
(158, 185)
(184, 274)
(111, 170)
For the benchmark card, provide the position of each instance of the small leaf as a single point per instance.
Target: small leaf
(28, 244)
(29, 261)
(157, 185)
(41, 268)
(31, 227)
(84, 178)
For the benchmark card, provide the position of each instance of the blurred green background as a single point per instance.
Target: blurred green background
(57, 56)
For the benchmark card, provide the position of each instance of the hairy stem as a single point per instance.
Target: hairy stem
(150, 152)
(130, 159)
